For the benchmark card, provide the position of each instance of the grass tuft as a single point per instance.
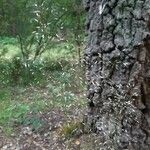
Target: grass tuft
(71, 129)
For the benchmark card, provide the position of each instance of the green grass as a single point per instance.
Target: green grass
(62, 50)
(8, 41)
(13, 67)
(53, 81)
(15, 111)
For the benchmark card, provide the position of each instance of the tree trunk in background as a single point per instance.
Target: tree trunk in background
(117, 57)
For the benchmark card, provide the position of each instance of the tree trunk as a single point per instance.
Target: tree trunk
(117, 57)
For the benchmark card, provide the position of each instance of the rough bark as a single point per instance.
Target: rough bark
(117, 57)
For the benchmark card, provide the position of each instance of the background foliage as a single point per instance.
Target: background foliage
(40, 59)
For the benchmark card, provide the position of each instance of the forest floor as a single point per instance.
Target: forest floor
(54, 128)
(44, 111)
(45, 138)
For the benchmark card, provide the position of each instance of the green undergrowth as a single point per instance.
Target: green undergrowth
(14, 111)
(62, 91)
(55, 80)
(17, 112)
